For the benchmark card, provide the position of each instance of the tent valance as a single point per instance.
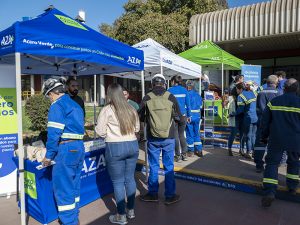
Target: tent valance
(211, 56)
(159, 59)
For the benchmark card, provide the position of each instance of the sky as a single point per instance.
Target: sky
(97, 11)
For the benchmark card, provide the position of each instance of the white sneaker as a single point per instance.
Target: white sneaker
(130, 214)
(118, 219)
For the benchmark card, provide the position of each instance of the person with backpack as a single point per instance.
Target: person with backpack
(183, 100)
(159, 110)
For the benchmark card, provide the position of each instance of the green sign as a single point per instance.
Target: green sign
(70, 22)
(8, 109)
(217, 106)
(30, 184)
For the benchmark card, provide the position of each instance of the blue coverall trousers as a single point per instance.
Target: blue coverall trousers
(66, 180)
(193, 135)
(167, 146)
(259, 149)
(270, 180)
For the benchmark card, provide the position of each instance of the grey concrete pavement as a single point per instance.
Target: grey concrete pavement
(200, 205)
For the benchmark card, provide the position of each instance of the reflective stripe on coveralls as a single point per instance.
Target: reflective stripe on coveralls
(270, 181)
(292, 176)
(62, 208)
(56, 125)
(72, 136)
(283, 108)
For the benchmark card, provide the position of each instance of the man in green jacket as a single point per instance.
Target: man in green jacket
(130, 102)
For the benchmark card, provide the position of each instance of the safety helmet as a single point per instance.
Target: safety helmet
(50, 84)
(158, 78)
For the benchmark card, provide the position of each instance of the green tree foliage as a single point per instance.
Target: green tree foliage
(36, 108)
(165, 21)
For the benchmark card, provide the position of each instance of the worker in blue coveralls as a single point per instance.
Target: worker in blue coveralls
(193, 128)
(181, 94)
(263, 86)
(263, 98)
(247, 105)
(64, 147)
(282, 116)
(281, 80)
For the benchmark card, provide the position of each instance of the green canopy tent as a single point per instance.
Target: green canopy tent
(210, 56)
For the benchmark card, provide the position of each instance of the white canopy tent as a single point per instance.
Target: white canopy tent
(159, 59)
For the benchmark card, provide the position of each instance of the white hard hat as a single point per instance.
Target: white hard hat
(159, 78)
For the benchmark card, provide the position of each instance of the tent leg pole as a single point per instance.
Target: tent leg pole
(20, 136)
(145, 129)
(222, 121)
(95, 102)
(200, 87)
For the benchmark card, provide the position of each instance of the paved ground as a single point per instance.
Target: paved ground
(200, 205)
(217, 161)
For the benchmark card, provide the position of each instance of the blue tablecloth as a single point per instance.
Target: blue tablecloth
(40, 202)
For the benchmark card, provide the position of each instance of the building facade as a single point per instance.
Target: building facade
(266, 34)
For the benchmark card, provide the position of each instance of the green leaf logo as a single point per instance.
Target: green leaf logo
(30, 184)
(68, 21)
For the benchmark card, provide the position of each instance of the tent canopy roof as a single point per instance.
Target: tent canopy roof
(54, 43)
(211, 56)
(159, 59)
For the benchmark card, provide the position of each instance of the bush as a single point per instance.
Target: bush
(36, 108)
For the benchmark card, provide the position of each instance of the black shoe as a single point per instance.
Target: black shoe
(172, 200)
(259, 169)
(241, 153)
(230, 152)
(184, 157)
(292, 191)
(199, 154)
(266, 201)
(177, 158)
(247, 156)
(149, 198)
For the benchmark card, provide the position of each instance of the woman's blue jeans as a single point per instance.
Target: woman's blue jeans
(121, 158)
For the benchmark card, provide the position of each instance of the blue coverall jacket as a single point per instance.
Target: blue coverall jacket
(181, 94)
(247, 104)
(281, 123)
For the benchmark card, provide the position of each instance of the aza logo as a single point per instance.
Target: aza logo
(133, 60)
(7, 40)
(167, 61)
(93, 163)
(201, 47)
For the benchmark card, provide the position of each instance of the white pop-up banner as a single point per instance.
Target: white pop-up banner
(8, 129)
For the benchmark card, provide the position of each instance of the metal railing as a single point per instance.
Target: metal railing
(27, 94)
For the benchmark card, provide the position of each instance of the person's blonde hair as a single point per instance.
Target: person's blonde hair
(125, 113)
